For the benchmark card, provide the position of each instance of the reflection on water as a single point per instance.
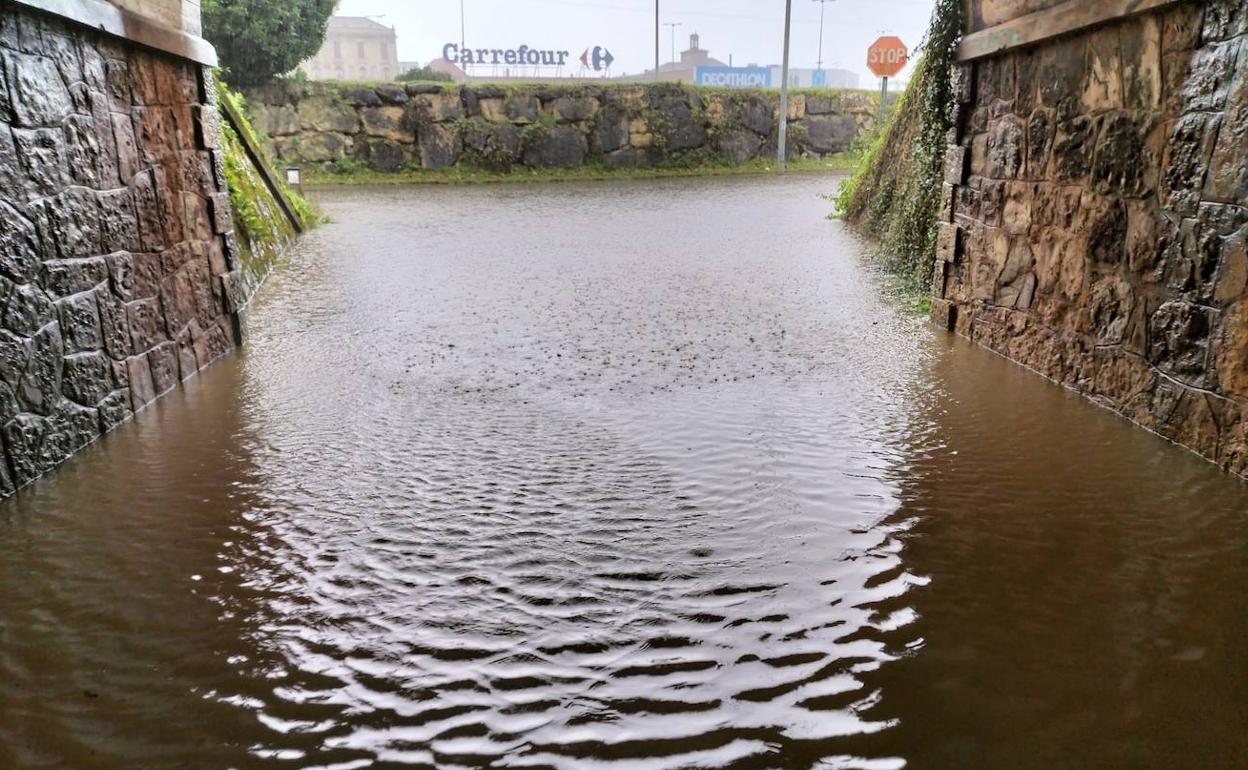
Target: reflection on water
(637, 476)
(1087, 603)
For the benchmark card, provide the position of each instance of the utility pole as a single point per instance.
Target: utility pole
(784, 90)
(656, 40)
(462, 36)
(821, 3)
(674, 25)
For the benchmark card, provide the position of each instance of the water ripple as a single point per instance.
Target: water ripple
(595, 510)
(617, 476)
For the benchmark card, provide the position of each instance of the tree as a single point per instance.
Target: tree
(257, 40)
(423, 73)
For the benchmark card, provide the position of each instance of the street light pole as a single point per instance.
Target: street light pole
(656, 40)
(674, 25)
(784, 90)
(821, 3)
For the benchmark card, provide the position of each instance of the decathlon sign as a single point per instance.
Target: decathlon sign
(522, 56)
(733, 77)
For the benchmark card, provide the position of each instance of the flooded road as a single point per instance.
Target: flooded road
(646, 475)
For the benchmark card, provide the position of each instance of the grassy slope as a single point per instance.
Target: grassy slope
(262, 231)
(571, 88)
(467, 175)
(894, 197)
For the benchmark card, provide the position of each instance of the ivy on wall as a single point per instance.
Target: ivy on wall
(261, 230)
(894, 196)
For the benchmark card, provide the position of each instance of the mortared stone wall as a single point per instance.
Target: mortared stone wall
(1096, 217)
(395, 127)
(117, 262)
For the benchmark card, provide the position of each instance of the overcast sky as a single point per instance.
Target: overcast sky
(751, 30)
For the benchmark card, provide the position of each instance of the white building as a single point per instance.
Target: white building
(355, 48)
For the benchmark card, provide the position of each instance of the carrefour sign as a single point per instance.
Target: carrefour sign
(522, 56)
(733, 77)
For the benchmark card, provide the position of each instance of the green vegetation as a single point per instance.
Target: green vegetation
(425, 75)
(894, 196)
(535, 131)
(257, 40)
(262, 231)
(309, 215)
(349, 173)
(511, 88)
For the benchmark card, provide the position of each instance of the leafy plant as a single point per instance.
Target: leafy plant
(257, 40)
(346, 166)
(895, 193)
(534, 132)
(261, 230)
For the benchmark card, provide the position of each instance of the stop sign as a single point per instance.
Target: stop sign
(887, 56)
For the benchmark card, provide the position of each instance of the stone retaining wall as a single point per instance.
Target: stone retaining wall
(118, 269)
(394, 127)
(1096, 218)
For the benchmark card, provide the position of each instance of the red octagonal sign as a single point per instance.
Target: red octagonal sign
(887, 56)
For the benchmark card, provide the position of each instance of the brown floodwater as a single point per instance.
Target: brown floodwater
(638, 475)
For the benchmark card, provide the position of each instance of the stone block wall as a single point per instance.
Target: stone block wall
(117, 263)
(393, 127)
(1096, 217)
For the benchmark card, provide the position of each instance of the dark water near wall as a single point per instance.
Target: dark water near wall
(635, 476)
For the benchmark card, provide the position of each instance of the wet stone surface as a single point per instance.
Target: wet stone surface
(99, 163)
(1125, 176)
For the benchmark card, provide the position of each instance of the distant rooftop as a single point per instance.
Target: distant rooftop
(354, 22)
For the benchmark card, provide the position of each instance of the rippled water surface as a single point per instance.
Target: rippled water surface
(647, 475)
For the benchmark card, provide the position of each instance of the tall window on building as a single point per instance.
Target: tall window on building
(359, 50)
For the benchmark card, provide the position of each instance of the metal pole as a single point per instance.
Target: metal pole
(784, 90)
(674, 25)
(883, 96)
(462, 34)
(822, 5)
(656, 40)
